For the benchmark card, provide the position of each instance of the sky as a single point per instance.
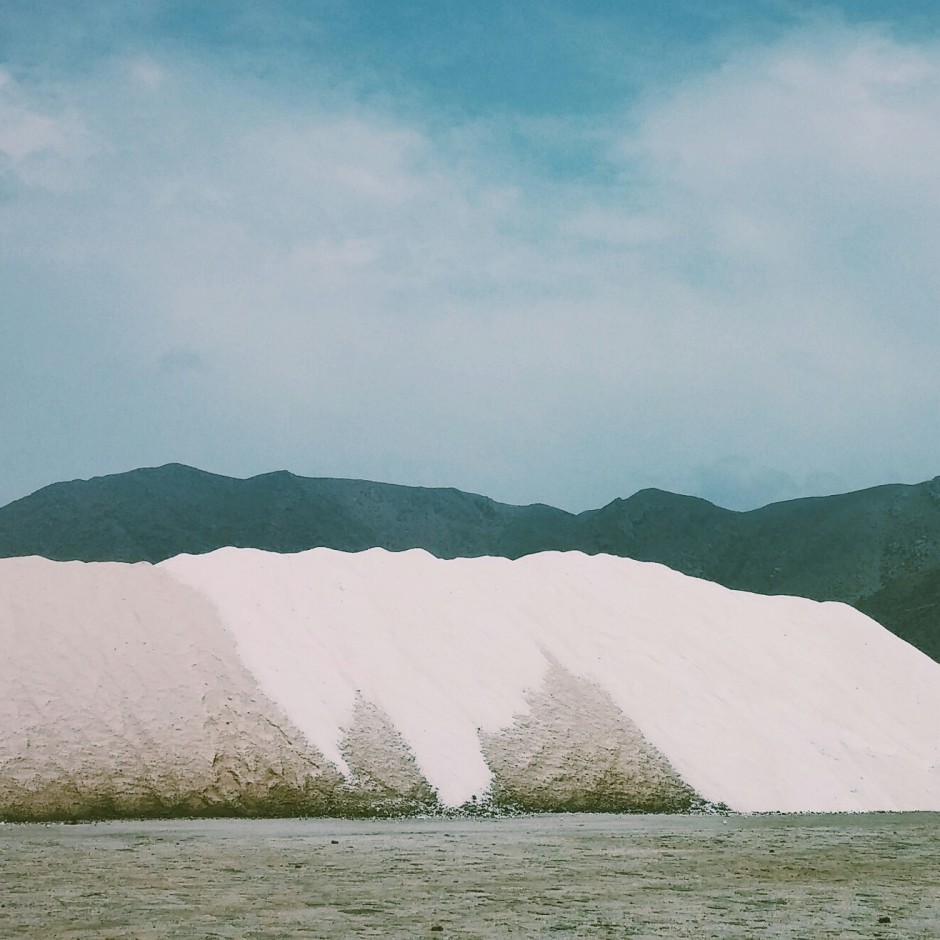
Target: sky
(551, 251)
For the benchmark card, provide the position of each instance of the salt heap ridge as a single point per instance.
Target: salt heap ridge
(247, 682)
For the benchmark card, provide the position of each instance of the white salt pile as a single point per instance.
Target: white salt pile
(324, 682)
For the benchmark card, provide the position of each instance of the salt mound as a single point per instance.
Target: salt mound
(322, 682)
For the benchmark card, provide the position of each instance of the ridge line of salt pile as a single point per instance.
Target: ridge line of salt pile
(246, 681)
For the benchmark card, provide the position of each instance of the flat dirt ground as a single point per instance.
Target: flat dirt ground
(552, 876)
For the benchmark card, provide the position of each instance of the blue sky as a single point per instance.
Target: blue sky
(552, 251)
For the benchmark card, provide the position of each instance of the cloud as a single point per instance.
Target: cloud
(148, 73)
(177, 361)
(737, 270)
(808, 159)
(38, 147)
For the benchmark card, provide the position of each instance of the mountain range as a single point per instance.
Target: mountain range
(877, 549)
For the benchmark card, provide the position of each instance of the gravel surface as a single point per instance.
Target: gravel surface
(810, 877)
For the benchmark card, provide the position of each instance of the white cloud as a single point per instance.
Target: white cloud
(147, 73)
(813, 156)
(753, 273)
(39, 148)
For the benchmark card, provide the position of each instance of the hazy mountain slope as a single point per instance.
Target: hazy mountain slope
(155, 513)
(844, 547)
(878, 549)
(688, 534)
(911, 604)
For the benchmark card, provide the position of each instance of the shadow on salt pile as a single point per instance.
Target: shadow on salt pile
(385, 778)
(575, 751)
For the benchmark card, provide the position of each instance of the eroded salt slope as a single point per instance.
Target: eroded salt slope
(121, 693)
(323, 682)
(763, 703)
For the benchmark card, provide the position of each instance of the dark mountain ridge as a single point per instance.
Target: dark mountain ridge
(157, 512)
(878, 549)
